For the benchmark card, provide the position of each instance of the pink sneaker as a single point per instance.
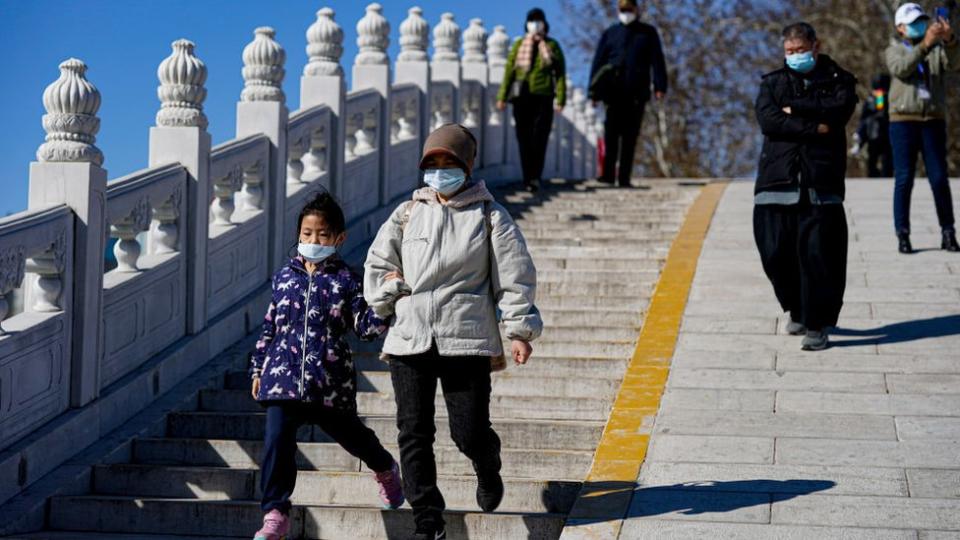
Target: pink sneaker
(391, 489)
(275, 526)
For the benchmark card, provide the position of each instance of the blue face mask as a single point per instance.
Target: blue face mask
(315, 252)
(445, 181)
(801, 62)
(917, 29)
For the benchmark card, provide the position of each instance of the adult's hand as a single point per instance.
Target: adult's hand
(521, 351)
(393, 275)
(501, 105)
(558, 108)
(823, 129)
(788, 110)
(946, 31)
(932, 37)
(659, 95)
(255, 388)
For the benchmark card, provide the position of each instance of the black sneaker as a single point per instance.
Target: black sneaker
(905, 247)
(949, 242)
(430, 534)
(489, 491)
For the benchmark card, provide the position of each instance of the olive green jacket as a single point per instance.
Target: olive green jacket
(902, 61)
(542, 81)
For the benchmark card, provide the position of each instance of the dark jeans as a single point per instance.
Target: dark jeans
(620, 131)
(533, 115)
(466, 389)
(803, 248)
(278, 467)
(930, 139)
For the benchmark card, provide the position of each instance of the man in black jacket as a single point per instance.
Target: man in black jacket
(629, 50)
(798, 219)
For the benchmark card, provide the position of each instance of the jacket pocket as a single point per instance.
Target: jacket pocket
(403, 320)
(469, 316)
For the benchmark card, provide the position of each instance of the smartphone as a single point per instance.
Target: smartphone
(942, 12)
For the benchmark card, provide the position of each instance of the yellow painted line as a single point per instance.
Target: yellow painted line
(623, 445)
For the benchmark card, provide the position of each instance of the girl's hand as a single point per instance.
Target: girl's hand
(521, 351)
(393, 275)
(255, 389)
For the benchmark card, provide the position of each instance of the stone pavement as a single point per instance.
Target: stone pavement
(757, 439)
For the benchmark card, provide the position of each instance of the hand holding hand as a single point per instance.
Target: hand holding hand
(521, 351)
(255, 388)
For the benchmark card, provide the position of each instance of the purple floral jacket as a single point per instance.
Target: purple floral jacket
(303, 352)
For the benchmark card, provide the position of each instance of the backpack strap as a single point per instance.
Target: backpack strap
(405, 215)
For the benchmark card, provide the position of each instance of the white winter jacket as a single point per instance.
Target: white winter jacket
(453, 281)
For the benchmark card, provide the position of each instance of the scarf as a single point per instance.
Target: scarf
(524, 59)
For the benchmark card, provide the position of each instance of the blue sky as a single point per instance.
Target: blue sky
(123, 41)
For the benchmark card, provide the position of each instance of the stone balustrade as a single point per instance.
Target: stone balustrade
(198, 233)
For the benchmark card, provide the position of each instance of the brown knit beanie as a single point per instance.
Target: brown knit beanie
(627, 3)
(453, 140)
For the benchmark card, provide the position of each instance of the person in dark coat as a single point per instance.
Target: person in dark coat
(631, 51)
(874, 130)
(798, 221)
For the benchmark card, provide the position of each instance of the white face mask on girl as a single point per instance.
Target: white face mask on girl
(535, 27)
(627, 17)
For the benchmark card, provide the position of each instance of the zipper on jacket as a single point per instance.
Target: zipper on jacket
(433, 295)
(306, 328)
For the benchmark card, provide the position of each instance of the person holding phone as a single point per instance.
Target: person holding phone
(918, 59)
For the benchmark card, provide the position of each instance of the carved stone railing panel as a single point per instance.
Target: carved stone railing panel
(36, 256)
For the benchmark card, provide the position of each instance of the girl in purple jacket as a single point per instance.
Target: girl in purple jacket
(302, 369)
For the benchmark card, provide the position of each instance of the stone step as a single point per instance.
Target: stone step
(382, 403)
(314, 488)
(599, 255)
(539, 366)
(635, 303)
(597, 276)
(512, 382)
(523, 463)
(529, 434)
(609, 243)
(548, 262)
(241, 518)
(641, 288)
(80, 535)
(599, 226)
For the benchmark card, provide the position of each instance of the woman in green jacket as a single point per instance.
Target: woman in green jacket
(535, 84)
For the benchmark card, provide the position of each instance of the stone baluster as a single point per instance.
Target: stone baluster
(68, 171)
(164, 232)
(445, 67)
(413, 66)
(262, 109)
(591, 154)
(180, 136)
(323, 83)
(371, 69)
(222, 207)
(11, 277)
(48, 267)
(127, 249)
(252, 189)
(580, 105)
(496, 133)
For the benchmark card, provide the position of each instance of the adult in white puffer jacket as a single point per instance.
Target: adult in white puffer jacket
(443, 263)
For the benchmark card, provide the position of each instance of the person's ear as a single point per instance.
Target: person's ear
(341, 239)
(902, 29)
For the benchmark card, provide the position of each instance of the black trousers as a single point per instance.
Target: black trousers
(620, 131)
(466, 390)
(278, 467)
(803, 248)
(533, 116)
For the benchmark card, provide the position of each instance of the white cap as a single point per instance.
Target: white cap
(908, 13)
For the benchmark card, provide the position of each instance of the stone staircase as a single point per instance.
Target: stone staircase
(598, 251)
